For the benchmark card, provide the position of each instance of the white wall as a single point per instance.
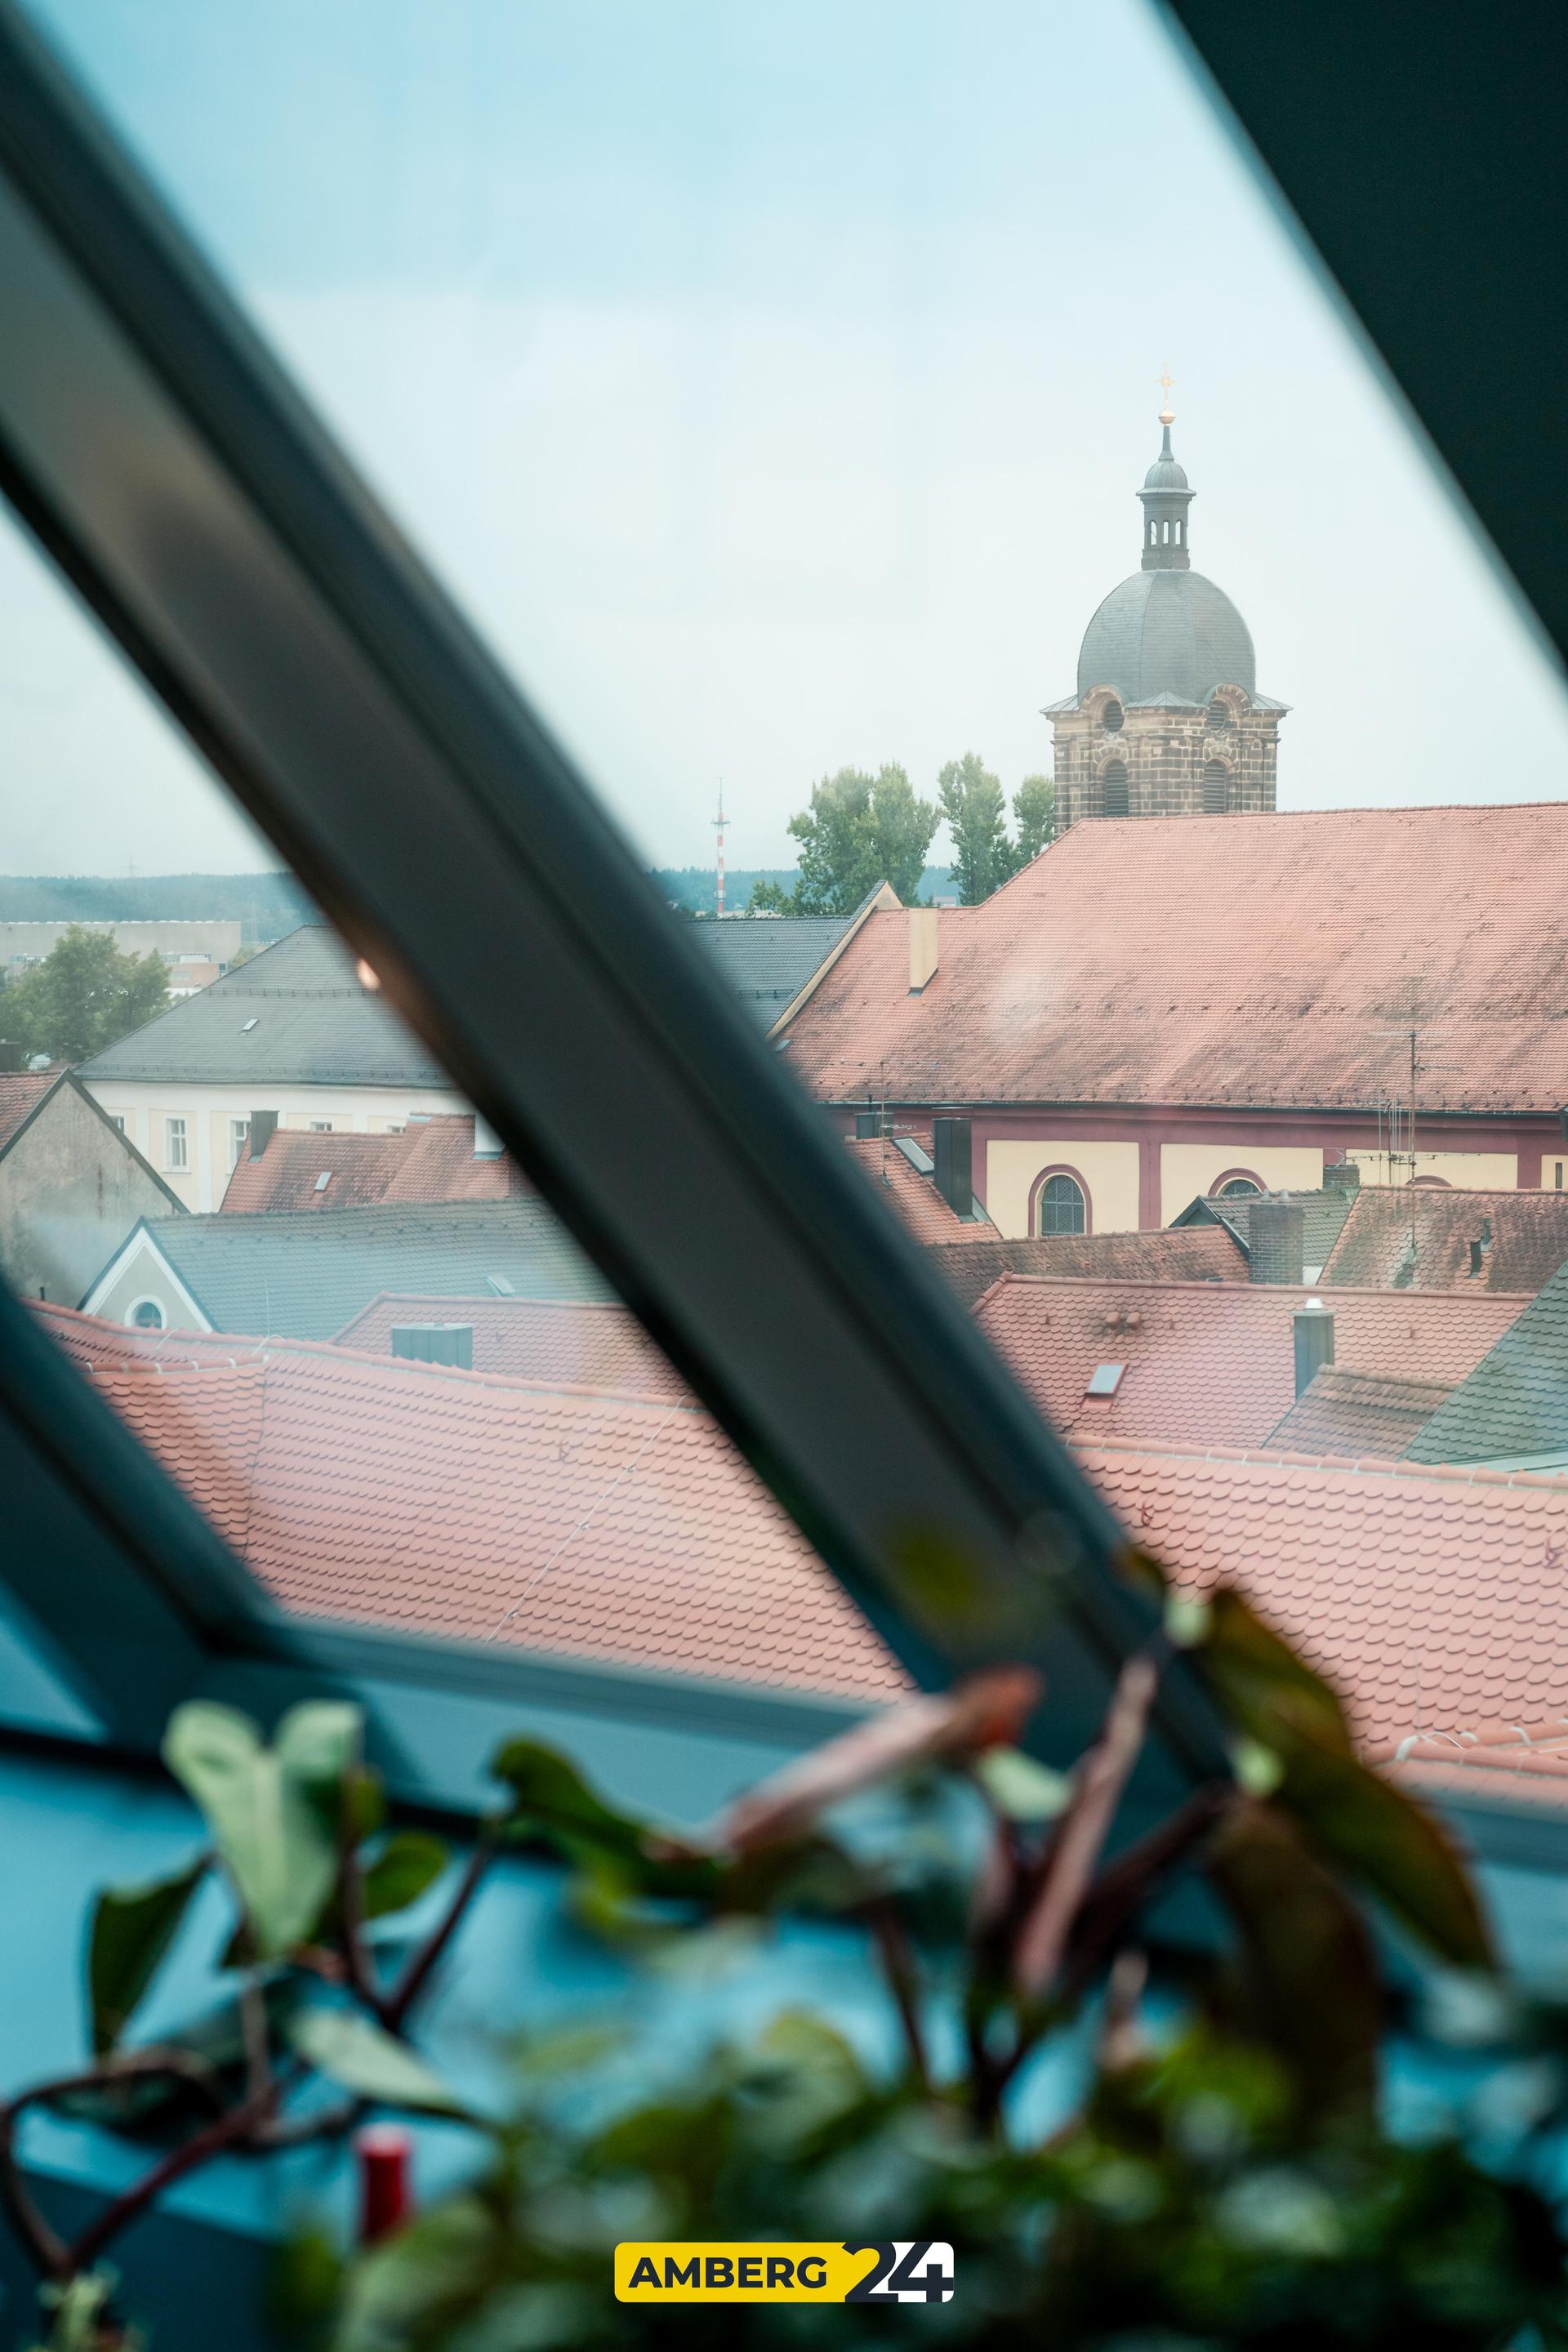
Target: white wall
(146, 1104)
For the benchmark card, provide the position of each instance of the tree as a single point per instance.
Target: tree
(976, 815)
(83, 996)
(772, 898)
(859, 831)
(1034, 815)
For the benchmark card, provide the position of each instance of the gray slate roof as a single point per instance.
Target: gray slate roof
(303, 1275)
(767, 961)
(1167, 633)
(1515, 1399)
(315, 1024)
(1322, 1217)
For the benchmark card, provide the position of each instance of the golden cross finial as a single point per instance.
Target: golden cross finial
(1165, 379)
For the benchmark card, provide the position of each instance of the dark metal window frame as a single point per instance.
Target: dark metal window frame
(165, 463)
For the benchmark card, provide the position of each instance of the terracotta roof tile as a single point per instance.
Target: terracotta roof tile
(21, 1092)
(1523, 1238)
(915, 1197)
(589, 1343)
(1342, 1411)
(1115, 968)
(619, 1528)
(433, 1160)
(1178, 1253)
(1214, 1363)
(1375, 1570)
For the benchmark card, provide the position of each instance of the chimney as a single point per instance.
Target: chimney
(950, 1142)
(1274, 1241)
(867, 1125)
(263, 1128)
(435, 1343)
(11, 1057)
(1314, 1341)
(488, 1144)
(1342, 1176)
(923, 947)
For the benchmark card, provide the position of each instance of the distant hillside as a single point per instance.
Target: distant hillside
(694, 887)
(264, 905)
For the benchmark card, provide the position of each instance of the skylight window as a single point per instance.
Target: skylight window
(1105, 1379)
(499, 1285)
(324, 1179)
(246, 1025)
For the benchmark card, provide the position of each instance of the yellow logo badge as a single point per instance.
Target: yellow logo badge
(895, 2270)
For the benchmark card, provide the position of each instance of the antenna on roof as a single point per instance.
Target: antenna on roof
(718, 824)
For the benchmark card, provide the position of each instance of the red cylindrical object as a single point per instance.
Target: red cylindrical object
(385, 2152)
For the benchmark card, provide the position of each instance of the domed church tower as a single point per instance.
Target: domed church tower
(1167, 719)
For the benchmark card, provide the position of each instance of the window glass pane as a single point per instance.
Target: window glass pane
(811, 414)
(275, 1239)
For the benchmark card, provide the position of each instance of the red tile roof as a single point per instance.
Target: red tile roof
(1179, 1254)
(1434, 1598)
(1258, 961)
(21, 1092)
(1214, 1363)
(557, 1519)
(588, 1343)
(1342, 1411)
(915, 1197)
(1529, 1239)
(432, 1159)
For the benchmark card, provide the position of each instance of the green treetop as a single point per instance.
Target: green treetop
(859, 831)
(83, 996)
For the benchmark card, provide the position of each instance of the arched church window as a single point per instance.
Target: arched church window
(1216, 788)
(1113, 789)
(1062, 1206)
(1219, 718)
(1111, 716)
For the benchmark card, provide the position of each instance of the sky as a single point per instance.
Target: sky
(772, 386)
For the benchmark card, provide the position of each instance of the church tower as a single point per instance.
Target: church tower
(1167, 719)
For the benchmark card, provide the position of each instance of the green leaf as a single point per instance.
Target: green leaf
(1392, 1845)
(273, 1812)
(1020, 1788)
(1260, 1682)
(548, 1793)
(360, 2057)
(1311, 1977)
(408, 1865)
(132, 1928)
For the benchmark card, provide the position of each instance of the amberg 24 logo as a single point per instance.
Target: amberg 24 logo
(893, 2270)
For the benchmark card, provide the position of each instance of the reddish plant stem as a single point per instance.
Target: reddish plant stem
(898, 1967)
(416, 1976)
(227, 2132)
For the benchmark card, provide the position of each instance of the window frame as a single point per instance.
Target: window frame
(176, 1130)
(283, 621)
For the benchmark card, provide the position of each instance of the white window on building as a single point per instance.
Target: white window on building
(177, 1153)
(239, 1129)
(117, 1118)
(321, 1127)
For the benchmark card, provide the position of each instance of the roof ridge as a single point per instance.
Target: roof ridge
(1474, 1473)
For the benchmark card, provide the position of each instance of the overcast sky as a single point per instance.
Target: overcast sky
(772, 383)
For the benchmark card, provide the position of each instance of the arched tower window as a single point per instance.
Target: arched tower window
(1216, 788)
(1060, 1206)
(1114, 788)
(1219, 718)
(1111, 718)
(1238, 1188)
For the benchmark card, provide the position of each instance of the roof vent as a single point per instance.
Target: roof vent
(498, 1286)
(1105, 1379)
(324, 1179)
(435, 1343)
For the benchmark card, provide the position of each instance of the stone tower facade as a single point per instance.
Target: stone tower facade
(1167, 719)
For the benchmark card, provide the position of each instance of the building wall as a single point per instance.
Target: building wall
(1472, 1170)
(144, 1274)
(1165, 753)
(208, 1111)
(1187, 1170)
(1108, 1172)
(218, 940)
(69, 1193)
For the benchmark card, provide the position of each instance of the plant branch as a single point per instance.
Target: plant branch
(898, 1967)
(406, 1991)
